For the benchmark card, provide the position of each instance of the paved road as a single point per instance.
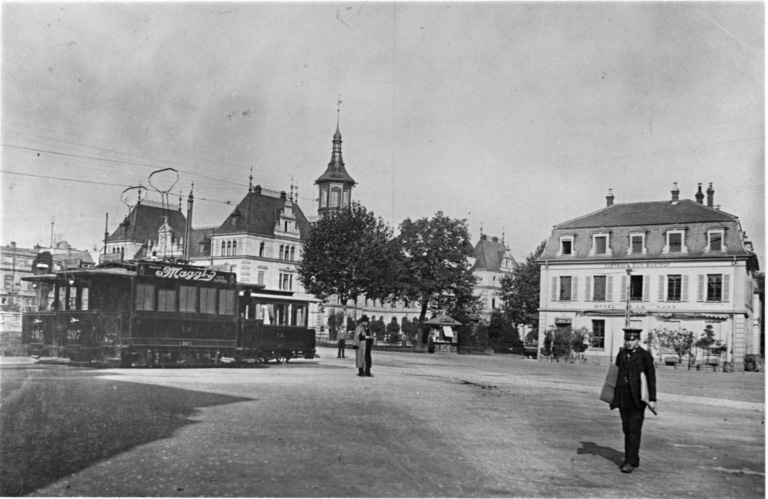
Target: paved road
(425, 426)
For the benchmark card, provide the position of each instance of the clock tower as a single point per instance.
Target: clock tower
(335, 185)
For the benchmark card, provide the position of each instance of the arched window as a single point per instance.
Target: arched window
(261, 249)
(281, 252)
(234, 247)
(292, 252)
(323, 198)
(223, 249)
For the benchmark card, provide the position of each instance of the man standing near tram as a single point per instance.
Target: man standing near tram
(363, 341)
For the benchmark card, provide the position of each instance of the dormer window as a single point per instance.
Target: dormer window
(637, 244)
(675, 242)
(601, 244)
(566, 246)
(715, 240)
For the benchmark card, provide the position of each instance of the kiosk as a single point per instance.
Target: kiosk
(442, 335)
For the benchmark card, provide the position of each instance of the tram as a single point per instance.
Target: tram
(158, 313)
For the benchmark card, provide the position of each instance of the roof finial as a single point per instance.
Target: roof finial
(139, 201)
(179, 198)
(502, 234)
(291, 198)
(338, 111)
(250, 180)
(297, 193)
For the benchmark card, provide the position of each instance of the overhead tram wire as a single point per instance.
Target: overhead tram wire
(125, 153)
(99, 183)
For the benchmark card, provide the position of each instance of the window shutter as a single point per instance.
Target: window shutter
(588, 291)
(623, 288)
(609, 288)
(575, 289)
(726, 287)
(700, 296)
(685, 288)
(554, 289)
(661, 288)
(646, 291)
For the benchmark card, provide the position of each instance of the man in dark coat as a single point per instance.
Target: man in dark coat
(630, 397)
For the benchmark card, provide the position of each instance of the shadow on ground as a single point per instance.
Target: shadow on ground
(608, 453)
(56, 422)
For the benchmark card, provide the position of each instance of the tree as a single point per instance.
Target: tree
(681, 342)
(349, 253)
(335, 320)
(580, 341)
(378, 328)
(709, 344)
(502, 334)
(519, 293)
(563, 342)
(435, 270)
(393, 330)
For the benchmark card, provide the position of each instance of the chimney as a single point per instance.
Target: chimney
(675, 193)
(257, 190)
(495, 239)
(284, 195)
(700, 195)
(710, 196)
(609, 198)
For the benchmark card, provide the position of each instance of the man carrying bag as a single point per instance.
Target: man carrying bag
(634, 380)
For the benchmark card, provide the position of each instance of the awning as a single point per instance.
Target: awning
(443, 320)
(281, 298)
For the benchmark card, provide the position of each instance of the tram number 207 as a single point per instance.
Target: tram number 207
(73, 334)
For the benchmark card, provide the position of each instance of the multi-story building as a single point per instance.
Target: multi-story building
(677, 264)
(492, 261)
(150, 228)
(16, 295)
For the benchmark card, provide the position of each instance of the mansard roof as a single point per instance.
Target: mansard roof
(143, 222)
(258, 213)
(649, 213)
(489, 255)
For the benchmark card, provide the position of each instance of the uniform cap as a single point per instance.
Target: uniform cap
(631, 333)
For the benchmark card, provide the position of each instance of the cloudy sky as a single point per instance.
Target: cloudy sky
(514, 115)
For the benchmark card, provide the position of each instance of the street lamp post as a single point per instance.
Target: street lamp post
(13, 274)
(629, 288)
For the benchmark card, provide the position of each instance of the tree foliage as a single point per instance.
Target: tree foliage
(564, 342)
(435, 271)
(681, 342)
(503, 336)
(349, 253)
(519, 293)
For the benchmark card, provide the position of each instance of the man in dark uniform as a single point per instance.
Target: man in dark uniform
(633, 361)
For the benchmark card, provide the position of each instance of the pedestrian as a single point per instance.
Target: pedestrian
(633, 361)
(342, 342)
(363, 342)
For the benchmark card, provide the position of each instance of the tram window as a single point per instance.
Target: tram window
(266, 312)
(207, 300)
(71, 297)
(166, 299)
(187, 298)
(300, 316)
(226, 302)
(145, 297)
(83, 298)
(281, 314)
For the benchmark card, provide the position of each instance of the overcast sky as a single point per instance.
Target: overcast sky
(514, 115)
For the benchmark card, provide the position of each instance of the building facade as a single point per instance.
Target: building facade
(677, 264)
(492, 261)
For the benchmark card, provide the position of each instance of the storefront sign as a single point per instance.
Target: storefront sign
(638, 265)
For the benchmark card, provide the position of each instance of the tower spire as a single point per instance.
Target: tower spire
(250, 180)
